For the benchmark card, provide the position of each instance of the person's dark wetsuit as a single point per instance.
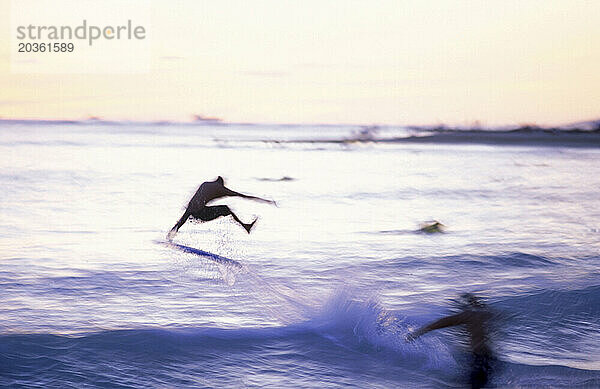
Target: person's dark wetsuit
(476, 318)
(209, 191)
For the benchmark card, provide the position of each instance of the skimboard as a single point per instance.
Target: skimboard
(201, 253)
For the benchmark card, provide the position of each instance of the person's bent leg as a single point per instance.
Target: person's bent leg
(211, 213)
(178, 225)
(247, 226)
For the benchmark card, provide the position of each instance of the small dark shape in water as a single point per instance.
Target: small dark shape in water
(432, 227)
(396, 232)
(365, 134)
(284, 178)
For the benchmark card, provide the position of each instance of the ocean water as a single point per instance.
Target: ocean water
(331, 280)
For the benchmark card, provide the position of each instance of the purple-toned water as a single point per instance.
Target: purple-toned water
(331, 280)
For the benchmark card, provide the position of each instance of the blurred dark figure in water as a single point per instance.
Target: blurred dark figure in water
(209, 191)
(432, 227)
(477, 320)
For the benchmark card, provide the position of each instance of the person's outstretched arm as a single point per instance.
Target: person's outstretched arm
(229, 192)
(444, 322)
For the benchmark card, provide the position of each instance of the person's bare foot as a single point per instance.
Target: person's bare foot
(249, 226)
(171, 235)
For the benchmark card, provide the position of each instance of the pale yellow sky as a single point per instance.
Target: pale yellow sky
(392, 62)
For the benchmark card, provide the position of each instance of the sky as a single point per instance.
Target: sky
(325, 61)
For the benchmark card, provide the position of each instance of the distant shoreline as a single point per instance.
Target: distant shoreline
(524, 136)
(570, 138)
(583, 135)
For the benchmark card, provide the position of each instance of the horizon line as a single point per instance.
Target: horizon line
(220, 122)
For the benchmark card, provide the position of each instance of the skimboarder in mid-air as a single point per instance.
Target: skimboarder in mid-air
(198, 209)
